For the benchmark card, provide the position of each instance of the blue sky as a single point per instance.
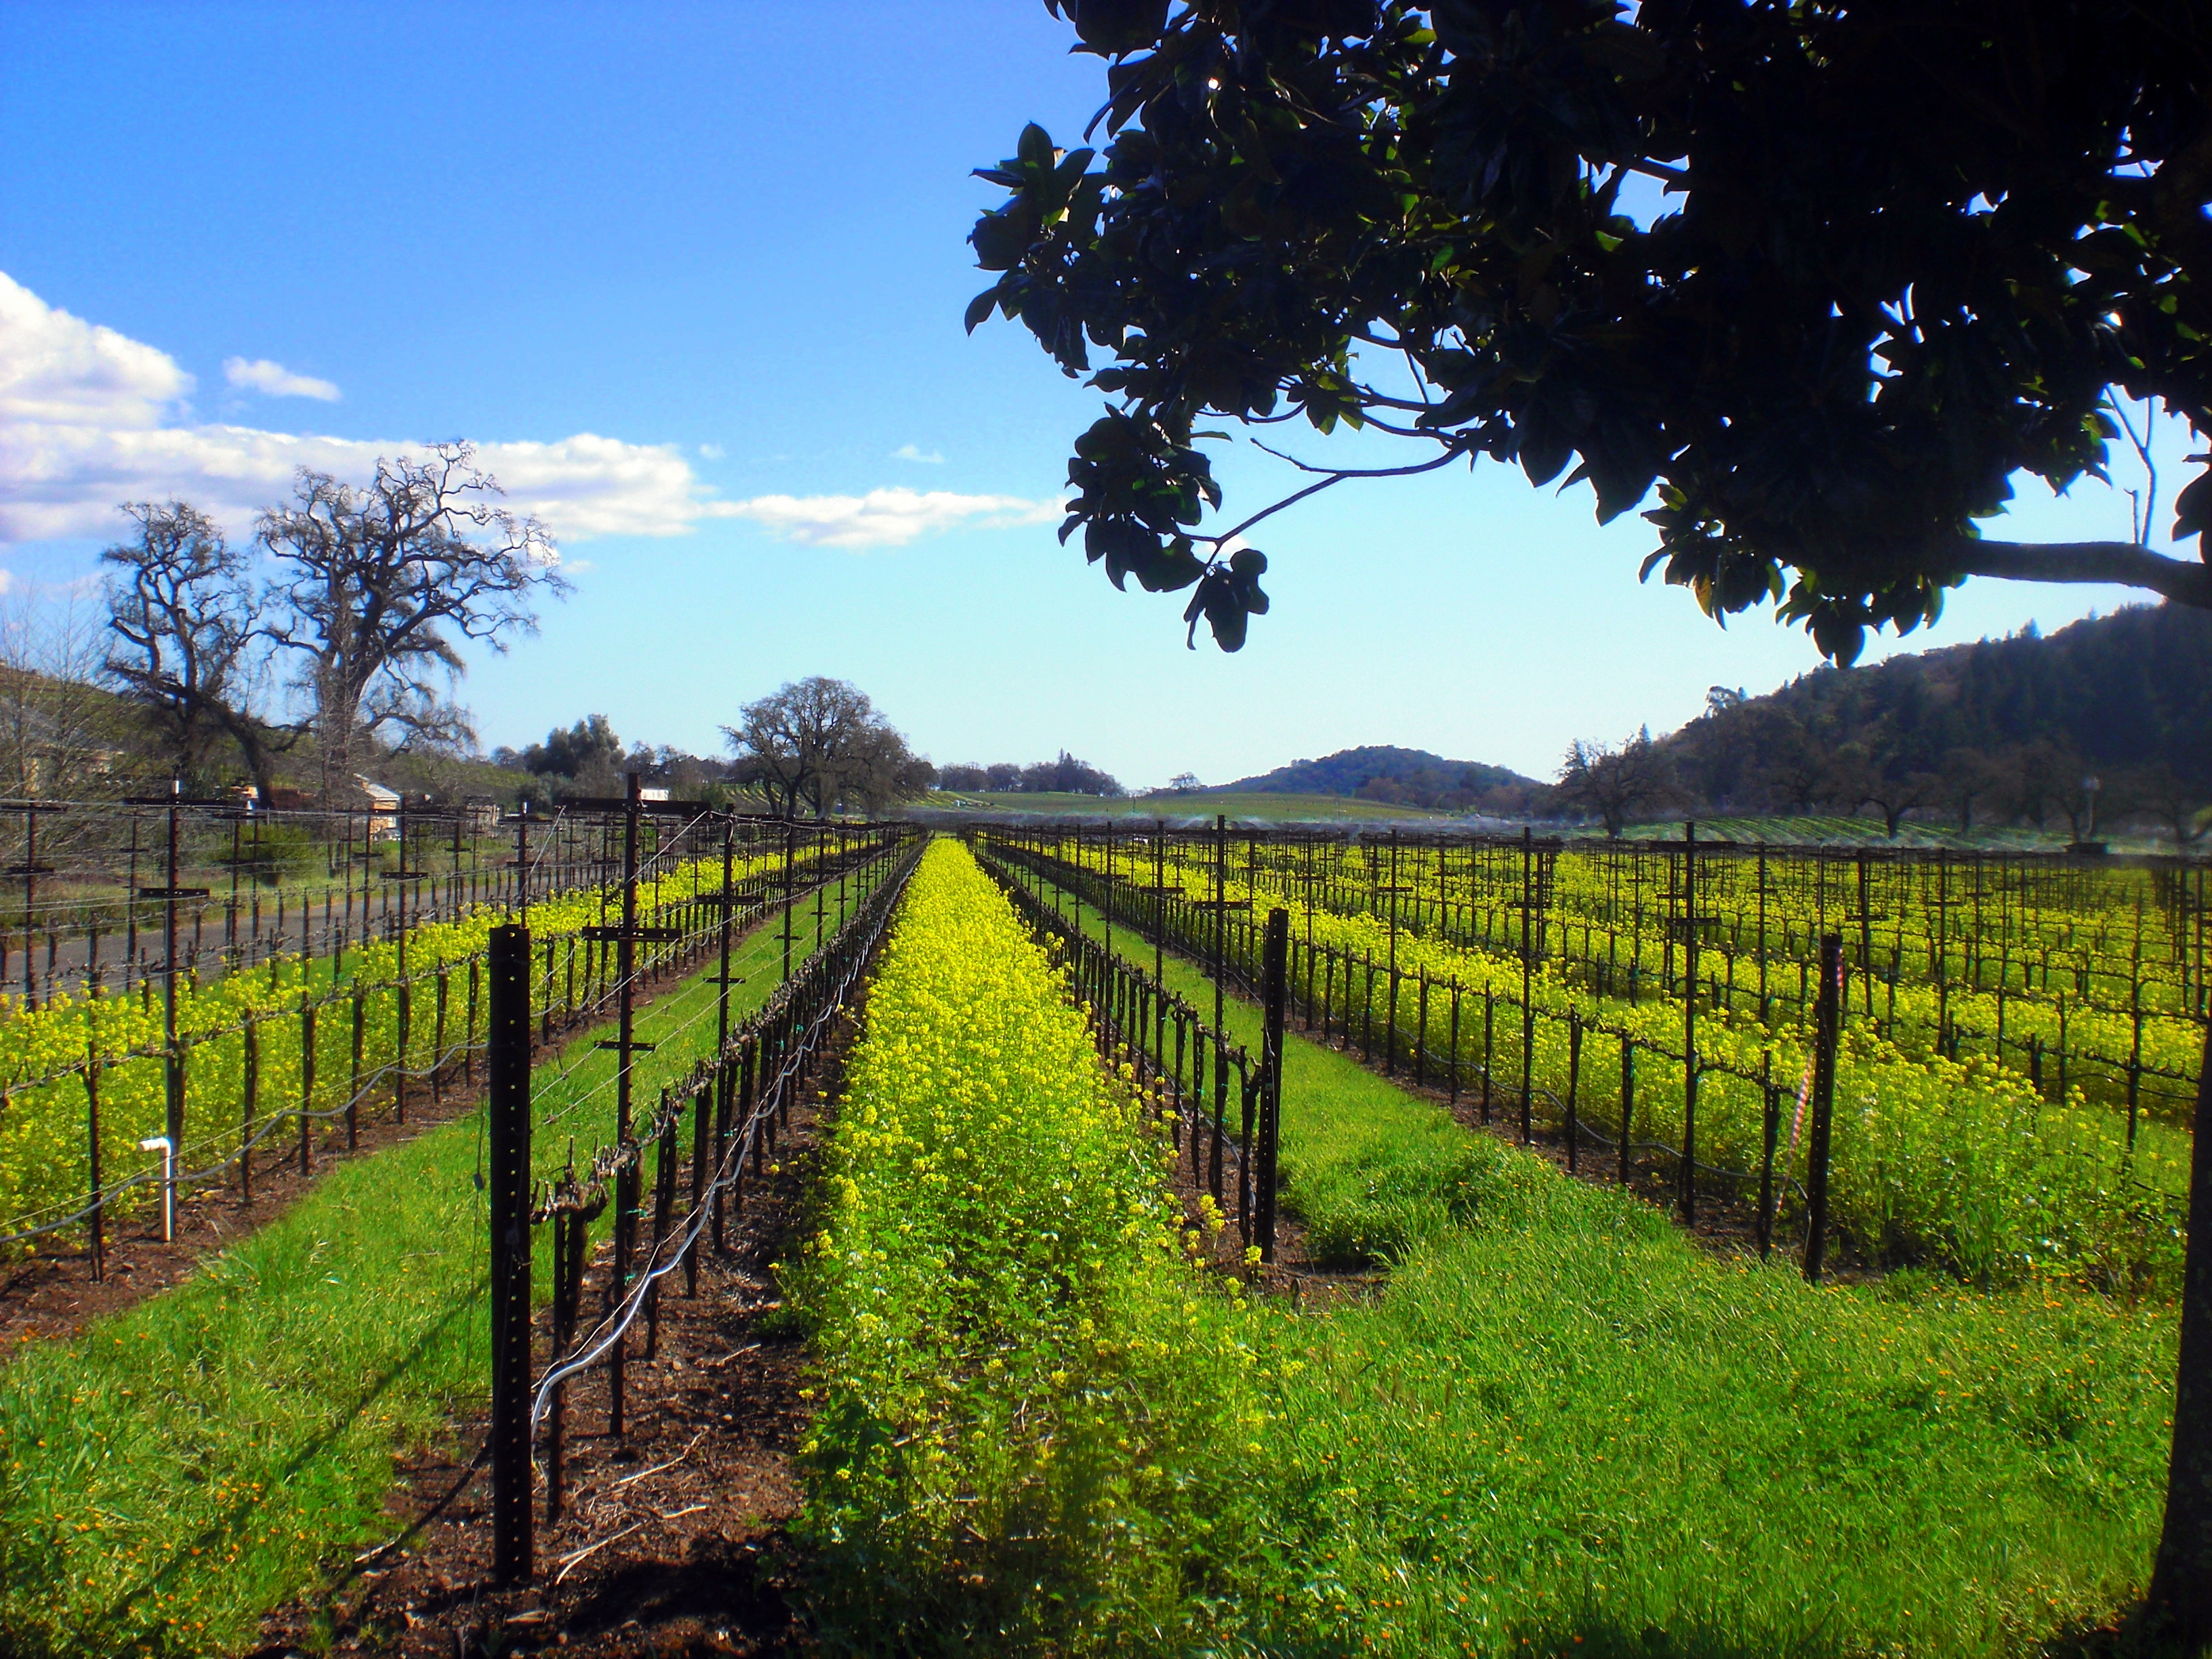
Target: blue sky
(694, 277)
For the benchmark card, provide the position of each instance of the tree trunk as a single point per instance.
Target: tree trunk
(2181, 1583)
(335, 715)
(252, 750)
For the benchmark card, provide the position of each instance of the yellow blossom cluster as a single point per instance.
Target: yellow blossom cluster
(1028, 1388)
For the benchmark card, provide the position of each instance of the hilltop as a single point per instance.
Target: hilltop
(1390, 775)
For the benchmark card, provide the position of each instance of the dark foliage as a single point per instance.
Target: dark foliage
(1909, 250)
(588, 745)
(2002, 729)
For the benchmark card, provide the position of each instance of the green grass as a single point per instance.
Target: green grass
(212, 1451)
(1562, 1423)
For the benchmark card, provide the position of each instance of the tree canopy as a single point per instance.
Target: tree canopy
(589, 745)
(185, 623)
(1907, 250)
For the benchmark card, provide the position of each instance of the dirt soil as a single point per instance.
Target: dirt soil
(672, 1541)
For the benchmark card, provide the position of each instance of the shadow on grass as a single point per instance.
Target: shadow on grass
(159, 1638)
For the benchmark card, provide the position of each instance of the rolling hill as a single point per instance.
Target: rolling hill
(1393, 776)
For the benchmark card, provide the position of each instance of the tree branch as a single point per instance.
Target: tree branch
(1334, 476)
(2123, 563)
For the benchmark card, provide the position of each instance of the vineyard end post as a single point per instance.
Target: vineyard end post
(509, 1108)
(1276, 986)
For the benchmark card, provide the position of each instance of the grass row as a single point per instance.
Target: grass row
(1562, 1426)
(212, 1451)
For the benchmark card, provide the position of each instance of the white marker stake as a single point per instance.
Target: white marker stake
(161, 1144)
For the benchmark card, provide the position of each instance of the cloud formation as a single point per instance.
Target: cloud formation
(273, 380)
(90, 418)
(913, 452)
(882, 518)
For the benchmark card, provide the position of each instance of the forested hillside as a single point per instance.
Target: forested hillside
(2000, 729)
(1403, 777)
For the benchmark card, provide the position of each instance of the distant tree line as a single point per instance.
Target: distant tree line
(814, 747)
(1065, 776)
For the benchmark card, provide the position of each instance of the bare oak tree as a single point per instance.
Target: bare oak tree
(185, 625)
(383, 582)
(821, 741)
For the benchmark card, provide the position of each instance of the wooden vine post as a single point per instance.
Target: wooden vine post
(1275, 983)
(508, 1063)
(1690, 930)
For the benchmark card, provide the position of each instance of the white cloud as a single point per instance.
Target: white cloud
(57, 369)
(882, 518)
(913, 453)
(273, 380)
(89, 418)
(711, 452)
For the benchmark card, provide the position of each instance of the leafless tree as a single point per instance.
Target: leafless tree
(821, 741)
(1792, 769)
(1615, 783)
(381, 584)
(2161, 794)
(184, 626)
(1863, 776)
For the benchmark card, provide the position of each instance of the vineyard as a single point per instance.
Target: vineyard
(259, 1047)
(1053, 1423)
(2017, 1047)
(1229, 1242)
(385, 1263)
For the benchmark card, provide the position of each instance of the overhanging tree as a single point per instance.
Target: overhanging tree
(1911, 249)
